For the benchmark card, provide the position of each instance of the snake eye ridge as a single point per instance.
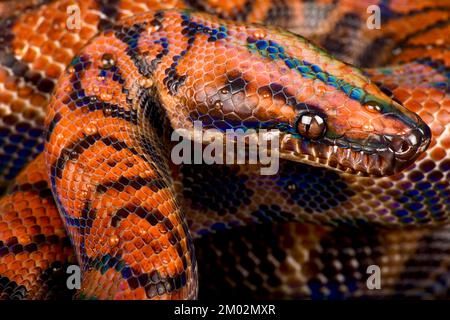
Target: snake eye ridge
(311, 125)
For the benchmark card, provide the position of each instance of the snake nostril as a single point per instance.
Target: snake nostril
(400, 146)
(406, 146)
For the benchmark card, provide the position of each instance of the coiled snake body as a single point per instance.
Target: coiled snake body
(112, 89)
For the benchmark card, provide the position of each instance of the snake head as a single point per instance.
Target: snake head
(329, 114)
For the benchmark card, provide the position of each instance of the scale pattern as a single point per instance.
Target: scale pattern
(106, 171)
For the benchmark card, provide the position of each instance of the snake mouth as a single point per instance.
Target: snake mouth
(378, 155)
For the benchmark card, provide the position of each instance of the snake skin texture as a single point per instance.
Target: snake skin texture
(85, 116)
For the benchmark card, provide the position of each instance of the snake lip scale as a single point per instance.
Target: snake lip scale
(354, 158)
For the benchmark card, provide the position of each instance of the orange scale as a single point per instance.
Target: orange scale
(436, 94)
(445, 142)
(3, 227)
(437, 129)
(3, 76)
(171, 268)
(37, 256)
(162, 229)
(9, 216)
(21, 234)
(143, 227)
(20, 32)
(116, 203)
(56, 33)
(33, 201)
(91, 18)
(138, 170)
(138, 243)
(153, 263)
(127, 235)
(86, 33)
(5, 97)
(36, 229)
(443, 116)
(10, 84)
(438, 154)
(24, 92)
(67, 40)
(154, 233)
(432, 106)
(17, 106)
(413, 105)
(139, 294)
(29, 221)
(147, 197)
(419, 95)
(166, 259)
(9, 258)
(53, 71)
(18, 276)
(167, 208)
(426, 116)
(10, 205)
(126, 195)
(138, 257)
(16, 265)
(154, 245)
(48, 230)
(158, 197)
(115, 171)
(29, 264)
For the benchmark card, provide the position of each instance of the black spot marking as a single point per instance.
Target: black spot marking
(279, 13)
(13, 246)
(337, 41)
(52, 125)
(278, 92)
(345, 245)
(75, 149)
(219, 253)
(215, 187)
(54, 279)
(237, 14)
(19, 68)
(110, 9)
(153, 216)
(388, 92)
(272, 213)
(153, 283)
(40, 188)
(130, 36)
(425, 276)
(10, 290)
(154, 112)
(173, 81)
(371, 55)
(312, 188)
(136, 182)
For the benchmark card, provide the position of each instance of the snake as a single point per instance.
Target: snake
(91, 92)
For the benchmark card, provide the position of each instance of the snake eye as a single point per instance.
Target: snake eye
(311, 125)
(372, 106)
